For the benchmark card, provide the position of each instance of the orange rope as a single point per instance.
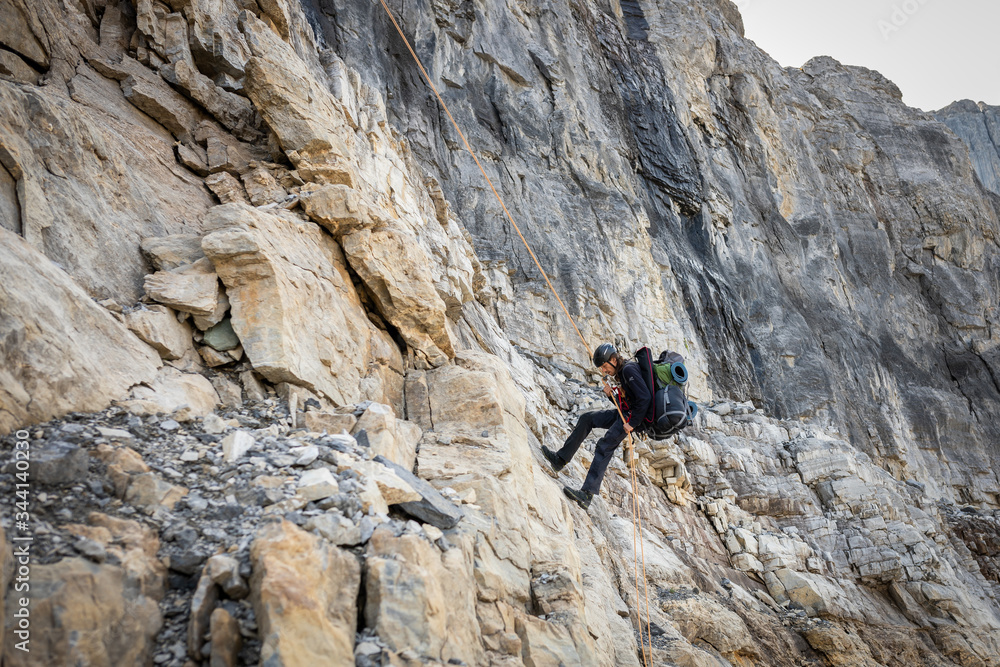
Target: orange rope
(635, 515)
(635, 551)
(642, 547)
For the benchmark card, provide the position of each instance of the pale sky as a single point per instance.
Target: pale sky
(936, 51)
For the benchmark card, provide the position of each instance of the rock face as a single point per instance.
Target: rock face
(276, 176)
(978, 126)
(279, 272)
(61, 351)
(304, 594)
(107, 614)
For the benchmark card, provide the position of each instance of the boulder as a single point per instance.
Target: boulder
(391, 486)
(158, 327)
(262, 187)
(204, 322)
(226, 639)
(379, 424)
(224, 570)
(83, 613)
(397, 271)
(319, 421)
(59, 351)
(206, 595)
(171, 252)
(221, 336)
(227, 188)
(432, 507)
(149, 491)
(96, 614)
(58, 463)
(317, 484)
(338, 208)
(236, 445)
(279, 272)
(304, 593)
(192, 288)
(545, 644)
(171, 391)
(336, 528)
(421, 598)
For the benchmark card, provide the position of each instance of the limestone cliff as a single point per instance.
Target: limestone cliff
(333, 364)
(978, 126)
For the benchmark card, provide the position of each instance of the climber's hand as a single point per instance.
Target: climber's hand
(628, 428)
(608, 390)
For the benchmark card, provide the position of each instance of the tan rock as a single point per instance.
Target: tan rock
(420, 598)
(226, 639)
(404, 451)
(338, 208)
(379, 424)
(15, 69)
(23, 33)
(212, 357)
(230, 393)
(545, 644)
(84, 613)
(236, 445)
(252, 386)
(226, 188)
(224, 570)
(192, 288)
(193, 157)
(295, 106)
(705, 620)
(204, 322)
(336, 528)
(149, 490)
(393, 489)
(171, 252)
(136, 546)
(331, 422)
(395, 268)
(233, 112)
(304, 593)
(152, 95)
(171, 391)
(71, 355)
(203, 602)
(317, 483)
(262, 187)
(158, 326)
(279, 272)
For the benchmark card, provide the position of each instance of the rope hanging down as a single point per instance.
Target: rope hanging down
(636, 517)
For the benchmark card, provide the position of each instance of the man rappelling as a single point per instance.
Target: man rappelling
(634, 402)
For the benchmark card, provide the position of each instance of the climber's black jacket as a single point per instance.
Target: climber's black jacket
(636, 403)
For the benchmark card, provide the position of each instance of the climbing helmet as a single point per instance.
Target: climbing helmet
(603, 354)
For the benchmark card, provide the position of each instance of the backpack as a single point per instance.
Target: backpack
(666, 378)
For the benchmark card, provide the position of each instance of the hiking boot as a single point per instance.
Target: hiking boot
(553, 459)
(581, 497)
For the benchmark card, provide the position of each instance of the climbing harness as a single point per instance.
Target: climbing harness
(636, 515)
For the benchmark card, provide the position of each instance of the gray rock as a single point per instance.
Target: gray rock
(92, 549)
(221, 337)
(58, 463)
(432, 508)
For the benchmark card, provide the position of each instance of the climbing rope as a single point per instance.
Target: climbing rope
(636, 516)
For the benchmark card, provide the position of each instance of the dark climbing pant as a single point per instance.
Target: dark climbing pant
(605, 448)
